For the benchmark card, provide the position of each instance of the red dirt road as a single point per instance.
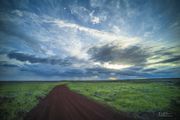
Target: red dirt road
(64, 104)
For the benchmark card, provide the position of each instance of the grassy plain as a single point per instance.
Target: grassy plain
(17, 98)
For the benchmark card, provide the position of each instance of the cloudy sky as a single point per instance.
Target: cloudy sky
(89, 39)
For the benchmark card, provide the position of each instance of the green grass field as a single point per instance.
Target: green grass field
(16, 99)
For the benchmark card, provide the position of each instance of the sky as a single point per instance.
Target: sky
(89, 39)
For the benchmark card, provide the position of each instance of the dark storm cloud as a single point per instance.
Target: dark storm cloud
(5, 64)
(114, 54)
(103, 73)
(33, 59)
(170, 60)
(40, 69)
(149, 69)
(132, 71)
(8, 65)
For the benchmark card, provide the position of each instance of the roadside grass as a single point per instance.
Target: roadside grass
(16, 99)
(131, 97)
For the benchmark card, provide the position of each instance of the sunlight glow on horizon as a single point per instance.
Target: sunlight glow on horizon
(115, 66)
